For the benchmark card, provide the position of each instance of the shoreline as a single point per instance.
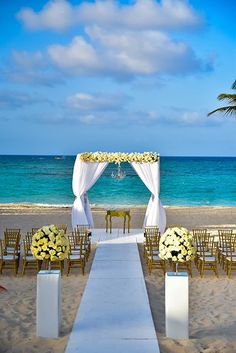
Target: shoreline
(102, 207)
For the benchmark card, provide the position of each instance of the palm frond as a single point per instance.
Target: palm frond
(229, 110)
(230, 97)
(234, 85)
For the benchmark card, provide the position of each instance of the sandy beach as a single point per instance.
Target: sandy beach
(212, 300)
(27, 217)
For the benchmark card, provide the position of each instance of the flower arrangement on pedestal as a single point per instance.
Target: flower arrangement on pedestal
(50, 243)
(176, 245)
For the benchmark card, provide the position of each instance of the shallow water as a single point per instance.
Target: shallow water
(184, 181)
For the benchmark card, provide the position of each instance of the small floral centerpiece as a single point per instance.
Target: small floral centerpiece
(176, 245)
(50, 243)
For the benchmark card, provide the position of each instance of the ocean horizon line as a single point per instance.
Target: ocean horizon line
(74, 155)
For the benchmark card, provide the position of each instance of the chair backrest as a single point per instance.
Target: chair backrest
(62, 226)
(151, 231)
(12, 237)
(28, 238)
(4, 249)
(83, 229)
(227, 232)
(226, 241)
(199, 231)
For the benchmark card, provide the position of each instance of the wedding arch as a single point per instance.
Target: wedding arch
(89, 167)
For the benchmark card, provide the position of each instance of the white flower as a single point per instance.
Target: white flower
(176, 244)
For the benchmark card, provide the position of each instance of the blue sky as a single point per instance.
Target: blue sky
(117, 76)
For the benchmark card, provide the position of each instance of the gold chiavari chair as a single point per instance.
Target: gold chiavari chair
(150, 232)
(200, 236)
(207, 259)
(153, 259)
(151, 249)
(77, 255)
(12, 242)
(84, 230)
(225, 236)
(230, 259)
(9, 259)
(29, 261)
(12, 238)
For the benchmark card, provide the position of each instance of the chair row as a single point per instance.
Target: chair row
(211, 251)
(80, 248)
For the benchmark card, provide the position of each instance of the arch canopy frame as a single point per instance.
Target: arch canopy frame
(89, 166)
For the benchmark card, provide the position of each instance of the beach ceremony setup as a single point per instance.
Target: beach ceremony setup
(117, 176)
(117, 261)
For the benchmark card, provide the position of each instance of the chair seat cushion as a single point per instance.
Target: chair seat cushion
(8, 257)
(208, 258)
(30, 258)
(76, 257)
(233, 259)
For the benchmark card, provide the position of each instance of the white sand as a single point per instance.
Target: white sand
(212, 312)
(18, 311)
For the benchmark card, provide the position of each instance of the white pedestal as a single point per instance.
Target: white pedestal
(177, 305)
(48, 314)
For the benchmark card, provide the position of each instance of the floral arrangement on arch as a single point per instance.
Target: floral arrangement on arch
(177, 245)
(50, 243)
(118, 157)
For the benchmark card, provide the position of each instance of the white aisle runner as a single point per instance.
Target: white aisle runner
(114, 315)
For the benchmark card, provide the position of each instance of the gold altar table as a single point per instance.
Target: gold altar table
(117, 213)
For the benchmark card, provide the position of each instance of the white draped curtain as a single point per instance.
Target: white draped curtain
(85, 175)
(149, 173)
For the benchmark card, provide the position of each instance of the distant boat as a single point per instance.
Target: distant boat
(59, 157)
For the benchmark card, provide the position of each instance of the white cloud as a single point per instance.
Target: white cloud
(120, 40)
(97, 102)
(78, 55)
(124, 53)
(56, 15)
(60, 15)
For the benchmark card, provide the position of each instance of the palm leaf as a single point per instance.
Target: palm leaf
(230, 97)
(226, 110)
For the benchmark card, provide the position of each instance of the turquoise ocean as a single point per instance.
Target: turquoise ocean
(189, 181)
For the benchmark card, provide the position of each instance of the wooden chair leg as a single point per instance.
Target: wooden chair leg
(23, 268)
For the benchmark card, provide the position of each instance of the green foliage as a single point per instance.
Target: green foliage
(230, 109)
